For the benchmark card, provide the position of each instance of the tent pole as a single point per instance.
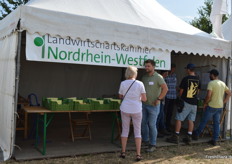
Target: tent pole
(228, 81)
(230, 102)
(17, 61)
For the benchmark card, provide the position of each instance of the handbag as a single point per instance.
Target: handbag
(128, 90)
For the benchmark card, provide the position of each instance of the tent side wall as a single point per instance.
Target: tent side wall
(8, 47)
(68, 80)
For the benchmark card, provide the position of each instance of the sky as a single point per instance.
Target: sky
(184, 9)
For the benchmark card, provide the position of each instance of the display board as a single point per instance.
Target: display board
(76, 51)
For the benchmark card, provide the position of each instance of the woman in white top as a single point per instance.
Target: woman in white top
(131, 108)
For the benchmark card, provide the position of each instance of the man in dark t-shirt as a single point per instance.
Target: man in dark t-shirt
(189, 88)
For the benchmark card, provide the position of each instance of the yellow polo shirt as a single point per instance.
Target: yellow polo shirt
(218, 89)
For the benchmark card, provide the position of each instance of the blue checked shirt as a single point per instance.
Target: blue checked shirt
(171, 83)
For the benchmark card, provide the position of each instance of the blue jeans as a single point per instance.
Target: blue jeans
(160, 124)
(149, 130)
(208, 114)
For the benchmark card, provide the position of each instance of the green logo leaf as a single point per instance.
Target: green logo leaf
(38, 41)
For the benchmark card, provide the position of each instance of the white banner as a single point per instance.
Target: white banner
(67, 50)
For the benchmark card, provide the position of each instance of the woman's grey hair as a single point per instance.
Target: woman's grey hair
(131, 72)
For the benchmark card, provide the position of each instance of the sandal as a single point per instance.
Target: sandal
(138, 158)
(122, 155)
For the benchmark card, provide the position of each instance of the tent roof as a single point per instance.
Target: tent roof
(131, 22)
(146, 13)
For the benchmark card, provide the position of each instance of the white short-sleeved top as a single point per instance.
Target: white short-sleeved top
(132, 101)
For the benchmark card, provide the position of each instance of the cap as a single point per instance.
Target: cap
(190, 66)
(214, 72)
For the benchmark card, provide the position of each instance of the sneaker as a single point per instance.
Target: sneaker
(151, 148)
(174, 138)
(187, 139)
(195, 137)
(212, 142)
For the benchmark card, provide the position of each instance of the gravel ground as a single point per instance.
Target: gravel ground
(197, 153)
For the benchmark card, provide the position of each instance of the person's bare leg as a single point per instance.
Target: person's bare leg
(123, 142)
(178, 126)
(190, 126)
(138, 146)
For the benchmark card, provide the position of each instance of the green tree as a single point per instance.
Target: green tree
(9, 5)
(203, 21)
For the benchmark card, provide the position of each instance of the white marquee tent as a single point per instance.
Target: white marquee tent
(227, 33)
(226, 29)
(131, 22)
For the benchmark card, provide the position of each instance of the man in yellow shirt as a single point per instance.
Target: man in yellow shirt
(213, 105)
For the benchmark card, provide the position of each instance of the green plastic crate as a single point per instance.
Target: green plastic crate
(72, 98)
(46, 101)
(80, 106)
(104, 106)
(52, 104)
(89, 100)
(116, 104)
(60, 107)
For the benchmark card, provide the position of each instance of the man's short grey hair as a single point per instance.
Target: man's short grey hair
(131, 72)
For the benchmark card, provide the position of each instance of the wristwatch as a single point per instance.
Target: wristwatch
(159, 99)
